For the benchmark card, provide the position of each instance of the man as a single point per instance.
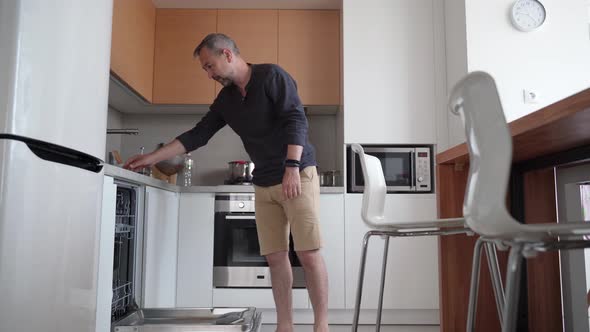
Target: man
(260, 103)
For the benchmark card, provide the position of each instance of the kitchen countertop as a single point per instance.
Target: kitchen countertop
(560, 126)
(129, 176)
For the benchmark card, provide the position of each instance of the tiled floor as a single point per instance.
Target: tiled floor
(362, 328)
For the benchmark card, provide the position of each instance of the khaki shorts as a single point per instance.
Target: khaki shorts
(275, 215)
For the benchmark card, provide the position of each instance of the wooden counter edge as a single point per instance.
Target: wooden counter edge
(560, 110)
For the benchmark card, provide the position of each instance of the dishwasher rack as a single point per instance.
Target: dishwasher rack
(125, 251)
(122, 292)
(124, 231)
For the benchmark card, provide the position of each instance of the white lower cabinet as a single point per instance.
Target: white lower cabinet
(179, 255)
(194, 286)
(412, 265)
(332, 226)
(160, 253)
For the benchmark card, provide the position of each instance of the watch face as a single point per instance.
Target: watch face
(528, 15)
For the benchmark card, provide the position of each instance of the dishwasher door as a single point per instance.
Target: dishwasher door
(191, 319)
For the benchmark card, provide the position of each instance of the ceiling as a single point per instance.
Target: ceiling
(251, 4)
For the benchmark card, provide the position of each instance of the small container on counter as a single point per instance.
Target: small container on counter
(331, 178)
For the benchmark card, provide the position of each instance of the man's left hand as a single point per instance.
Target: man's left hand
(291, 183)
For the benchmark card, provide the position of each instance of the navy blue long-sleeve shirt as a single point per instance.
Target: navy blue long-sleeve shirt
(267, 119)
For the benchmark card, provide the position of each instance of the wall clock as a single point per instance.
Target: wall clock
(527, 15)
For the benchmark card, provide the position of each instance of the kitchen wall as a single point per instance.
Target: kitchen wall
(456, 60)
(211, 160)
(114, 121)
(553, 61)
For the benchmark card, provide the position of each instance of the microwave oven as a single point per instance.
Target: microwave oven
(407, 168)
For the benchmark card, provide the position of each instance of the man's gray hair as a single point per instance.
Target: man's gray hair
(216, 42)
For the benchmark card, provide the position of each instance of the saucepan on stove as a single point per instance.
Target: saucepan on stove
(240, 171)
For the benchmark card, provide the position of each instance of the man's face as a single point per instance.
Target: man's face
(217, 66)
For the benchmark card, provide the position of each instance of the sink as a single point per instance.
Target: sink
(195, 319)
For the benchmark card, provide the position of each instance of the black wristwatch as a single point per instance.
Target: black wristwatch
(292, 163)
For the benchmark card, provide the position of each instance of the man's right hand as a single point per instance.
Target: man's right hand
(139, 161)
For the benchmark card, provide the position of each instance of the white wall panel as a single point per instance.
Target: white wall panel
(389, 71)
(552, 61)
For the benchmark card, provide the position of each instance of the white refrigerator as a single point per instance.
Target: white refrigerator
(54, 73)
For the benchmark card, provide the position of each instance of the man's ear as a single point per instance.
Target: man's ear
(228, 54)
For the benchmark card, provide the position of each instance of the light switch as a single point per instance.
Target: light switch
(530, 96)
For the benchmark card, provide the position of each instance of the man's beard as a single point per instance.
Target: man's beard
(224, 81)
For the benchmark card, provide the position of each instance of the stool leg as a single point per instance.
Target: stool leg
(471, 311)
(359, 289)
(383, 270)
(498, 288)
(512, 288)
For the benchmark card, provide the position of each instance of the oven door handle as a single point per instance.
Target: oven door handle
(228, 217)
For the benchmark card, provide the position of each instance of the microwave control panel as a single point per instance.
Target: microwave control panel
(423, 165)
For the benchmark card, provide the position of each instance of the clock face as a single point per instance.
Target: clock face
(527, 15)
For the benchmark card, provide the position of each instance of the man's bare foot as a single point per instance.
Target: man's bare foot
(284, 328)
(321, 328)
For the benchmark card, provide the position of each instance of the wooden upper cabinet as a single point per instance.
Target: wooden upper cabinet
(152, 49)
(132, 44)
(309, 49)
(178, 77)
(254, 31)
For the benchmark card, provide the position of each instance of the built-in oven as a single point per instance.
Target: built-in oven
(407, 168)
(236, 253)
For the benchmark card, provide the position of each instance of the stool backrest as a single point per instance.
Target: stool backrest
(373, 208)
(475, 98)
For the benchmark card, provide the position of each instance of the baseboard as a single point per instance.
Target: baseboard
(345, 316)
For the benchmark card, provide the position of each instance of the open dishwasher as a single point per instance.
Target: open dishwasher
(127, 314)
(191, 319)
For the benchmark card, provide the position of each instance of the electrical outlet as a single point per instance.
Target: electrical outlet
(530, 96)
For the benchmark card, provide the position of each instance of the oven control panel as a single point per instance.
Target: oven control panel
(234, 202)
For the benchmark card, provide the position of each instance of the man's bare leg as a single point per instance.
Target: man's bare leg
(281, 277)
(316, 278)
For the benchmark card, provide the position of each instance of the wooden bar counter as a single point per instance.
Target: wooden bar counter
(556, 134)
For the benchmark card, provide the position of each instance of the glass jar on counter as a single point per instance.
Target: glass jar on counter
(331, 178)
(147, 171)
(187, 171)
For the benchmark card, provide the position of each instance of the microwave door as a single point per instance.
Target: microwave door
(398, 167)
